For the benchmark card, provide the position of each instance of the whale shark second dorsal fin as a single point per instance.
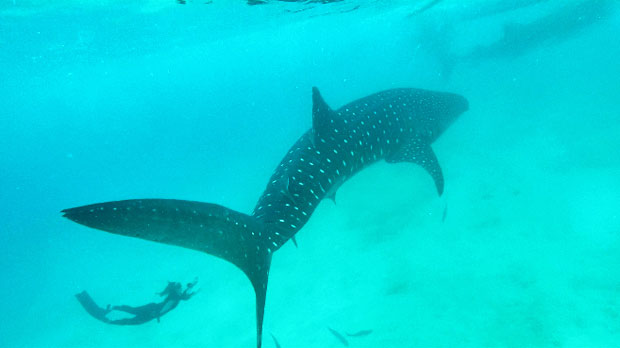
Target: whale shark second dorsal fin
(420, 152)
(211, 228)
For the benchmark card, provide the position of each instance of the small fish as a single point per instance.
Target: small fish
(339, 336)
(275, 341)
(360, 333)
(425, 8)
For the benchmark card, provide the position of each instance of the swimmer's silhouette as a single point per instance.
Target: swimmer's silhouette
(141, 314)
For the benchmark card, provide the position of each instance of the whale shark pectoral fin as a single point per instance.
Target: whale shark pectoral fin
(421, 153)
(211, 228)
(428, 161)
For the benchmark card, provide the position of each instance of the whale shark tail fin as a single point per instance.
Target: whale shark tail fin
(211, 228)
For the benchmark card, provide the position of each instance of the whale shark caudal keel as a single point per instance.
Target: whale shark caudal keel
(396, 125)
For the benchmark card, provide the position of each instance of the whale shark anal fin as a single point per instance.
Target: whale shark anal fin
(210, 228)
(332, 196)
(421, 153)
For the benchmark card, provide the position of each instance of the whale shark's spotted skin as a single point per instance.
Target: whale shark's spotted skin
(396, 125)
(293, 192)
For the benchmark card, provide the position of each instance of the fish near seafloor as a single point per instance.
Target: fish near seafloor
(397, 125)
(275, 341)
(360, 333)
(339, 336)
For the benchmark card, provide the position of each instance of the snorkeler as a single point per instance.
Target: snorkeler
(174, 294)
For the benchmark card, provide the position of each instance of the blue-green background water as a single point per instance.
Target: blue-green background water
(114, 100)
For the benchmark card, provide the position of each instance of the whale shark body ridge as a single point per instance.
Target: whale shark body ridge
(397, 125)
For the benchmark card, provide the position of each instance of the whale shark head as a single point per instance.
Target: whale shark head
(436, 111)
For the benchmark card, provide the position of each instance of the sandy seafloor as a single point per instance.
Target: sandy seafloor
(199, 102)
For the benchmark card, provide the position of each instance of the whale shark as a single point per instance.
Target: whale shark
(396, 125)
(563, 23)
(555, 23)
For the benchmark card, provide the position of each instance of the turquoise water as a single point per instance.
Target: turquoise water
(112, 100)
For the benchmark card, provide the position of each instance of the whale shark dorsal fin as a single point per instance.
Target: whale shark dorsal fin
(420, 152)
(324, 119)
(319, 106)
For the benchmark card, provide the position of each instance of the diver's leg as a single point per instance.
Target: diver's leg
(142, 314)
(127, 309)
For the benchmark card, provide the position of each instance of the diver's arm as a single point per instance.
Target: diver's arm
(188, 293)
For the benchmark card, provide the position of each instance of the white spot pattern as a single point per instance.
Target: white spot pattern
(346, 141)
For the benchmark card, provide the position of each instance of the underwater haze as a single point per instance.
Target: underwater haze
(200, 100)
